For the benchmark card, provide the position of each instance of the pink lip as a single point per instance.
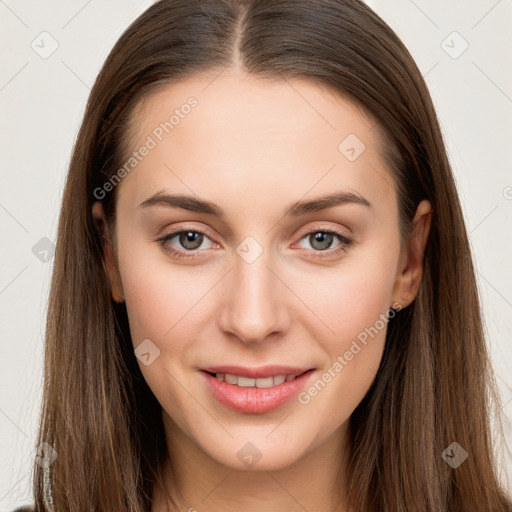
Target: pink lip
(259, 372)
(252, 399)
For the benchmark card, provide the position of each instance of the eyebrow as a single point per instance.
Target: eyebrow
(296, 209)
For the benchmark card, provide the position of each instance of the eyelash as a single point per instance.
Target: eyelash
(345, 243)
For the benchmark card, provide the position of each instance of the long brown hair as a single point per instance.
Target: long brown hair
(434, 386)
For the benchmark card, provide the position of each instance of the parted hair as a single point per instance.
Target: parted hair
(435, 384)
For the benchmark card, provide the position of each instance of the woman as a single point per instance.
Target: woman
(263, 292)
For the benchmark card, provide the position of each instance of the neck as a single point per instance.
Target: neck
(198, 483)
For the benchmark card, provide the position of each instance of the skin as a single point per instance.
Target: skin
(253, 147)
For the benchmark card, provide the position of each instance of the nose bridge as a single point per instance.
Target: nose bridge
(253, 305)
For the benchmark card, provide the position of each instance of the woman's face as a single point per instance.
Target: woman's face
(274, 280)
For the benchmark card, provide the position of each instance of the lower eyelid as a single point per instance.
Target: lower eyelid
(169, 237)
(343, 239)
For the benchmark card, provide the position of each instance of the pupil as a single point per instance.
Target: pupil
(189, 239)
(324, 239)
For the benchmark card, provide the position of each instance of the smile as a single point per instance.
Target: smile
(256, 394)
(246, 382)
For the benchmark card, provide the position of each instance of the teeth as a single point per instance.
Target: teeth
(230, 379)
(279, 379)
(246, 382)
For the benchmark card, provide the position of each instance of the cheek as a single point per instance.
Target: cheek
(165, 301)
(350, 298)
(162, 298)
(165, 305)
(162, 303)
(354, 304)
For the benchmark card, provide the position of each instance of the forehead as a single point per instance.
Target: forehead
(246, 136)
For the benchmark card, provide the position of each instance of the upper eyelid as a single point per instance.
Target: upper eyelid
(319, 228)
(302, 233)
(173, 233)
(343, 238)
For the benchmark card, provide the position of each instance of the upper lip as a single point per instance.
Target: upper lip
(259, 372)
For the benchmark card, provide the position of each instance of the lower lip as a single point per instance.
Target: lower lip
(255, 400)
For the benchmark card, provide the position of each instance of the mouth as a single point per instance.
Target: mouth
(261, 383)
(256, 390)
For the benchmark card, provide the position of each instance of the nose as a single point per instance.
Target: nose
(253, 301)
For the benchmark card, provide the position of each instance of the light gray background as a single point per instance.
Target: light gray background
(42, 102)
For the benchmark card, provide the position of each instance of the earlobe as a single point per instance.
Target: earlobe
(411, 264)
(109, 259)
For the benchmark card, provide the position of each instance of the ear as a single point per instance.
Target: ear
(109, 258)
(410, 269)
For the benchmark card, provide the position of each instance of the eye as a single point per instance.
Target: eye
(186, 243)
(321, 241)
(187, 240)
